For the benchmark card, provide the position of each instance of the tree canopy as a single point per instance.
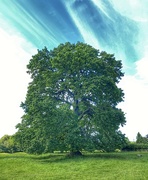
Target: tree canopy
(71, 102)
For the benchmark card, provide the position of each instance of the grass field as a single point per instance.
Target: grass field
(97, 166)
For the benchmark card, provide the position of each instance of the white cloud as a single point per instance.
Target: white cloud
(136, 101)
(142, 71)
(13, 79)
(136, 10)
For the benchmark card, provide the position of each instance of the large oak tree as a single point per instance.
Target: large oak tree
(71, 102)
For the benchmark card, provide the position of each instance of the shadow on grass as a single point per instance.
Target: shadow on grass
(51, 158)
(124, 156)
(62, 157)
(86, 156)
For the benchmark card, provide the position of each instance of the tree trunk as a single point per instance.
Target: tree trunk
(75, 153)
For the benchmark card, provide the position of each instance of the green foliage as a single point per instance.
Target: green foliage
(117, 150)
(141, 144)
(8, 145)
(140, 139)
(132, 146)
(71, 103)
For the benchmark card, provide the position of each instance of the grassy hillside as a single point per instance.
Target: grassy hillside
(103, 166)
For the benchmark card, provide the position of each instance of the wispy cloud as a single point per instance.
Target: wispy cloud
(82, 25)
(136, 10)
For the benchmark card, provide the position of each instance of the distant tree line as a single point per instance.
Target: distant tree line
(141, 144)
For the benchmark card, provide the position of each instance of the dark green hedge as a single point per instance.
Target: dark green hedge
(135, 147)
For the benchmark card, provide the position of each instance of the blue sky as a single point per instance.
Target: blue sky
(118, 27)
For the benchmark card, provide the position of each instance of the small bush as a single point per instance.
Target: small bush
(7, 144)
(117, 150)
(99, 151)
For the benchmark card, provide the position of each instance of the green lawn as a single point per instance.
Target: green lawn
(103, 166)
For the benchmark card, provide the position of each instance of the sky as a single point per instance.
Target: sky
(117, 27)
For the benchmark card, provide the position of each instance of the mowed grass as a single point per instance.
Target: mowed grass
(97, 166)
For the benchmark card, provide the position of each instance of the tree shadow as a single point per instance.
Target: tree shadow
(121, 155)
(64, 157)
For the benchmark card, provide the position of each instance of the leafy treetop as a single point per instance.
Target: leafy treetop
(71, 103)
